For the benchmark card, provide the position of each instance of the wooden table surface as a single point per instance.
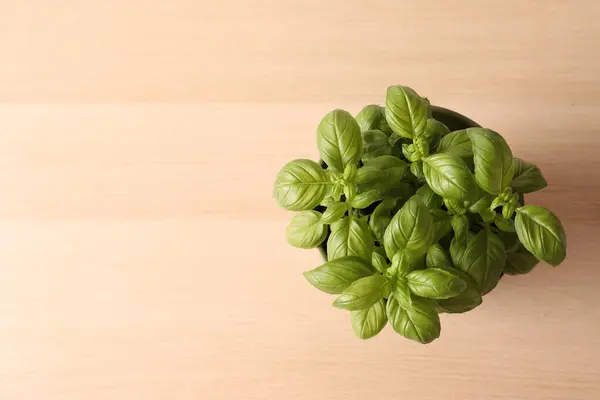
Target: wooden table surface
(143, 257)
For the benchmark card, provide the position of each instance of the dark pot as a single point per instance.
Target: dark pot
(453, 120)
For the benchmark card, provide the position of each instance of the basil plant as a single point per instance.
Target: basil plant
(413, 219)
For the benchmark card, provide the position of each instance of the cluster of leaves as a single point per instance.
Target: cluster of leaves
(415, 220)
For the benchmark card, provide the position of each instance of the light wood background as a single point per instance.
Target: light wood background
(143, 257)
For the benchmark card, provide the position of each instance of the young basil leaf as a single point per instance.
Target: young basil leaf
(306, 231)
(369, 322)
(487, 215)
(381, 218)
(434, 132)
(528, 177)
(458, 144)
(389, 178)
(435, 283)
(390, 167)
(542, 233)
(349, 190)
(431, 200)
(493, 160)
(497, 202)
(405, 111)
(365, 199)
(335, 276)
(483, 259)
(419, 322)
(375, 144)
(339, 140)
(520, 262)
(350, 236)
(508, 210)
(300, 185)
(416, 169)
(449, 177)
(362, 293)
(403, 262)
(409, 151)
(506, 225)
(378, 260)
(337, 191)
(372, 117)
(401, 291)
(467, 300)
(349, 172)
(328, 201)
(437, 257)
(441, 224)
(483, 203)
(460, 225)
(334, 212)
(411, 229)
(455, 206)
(366, 174)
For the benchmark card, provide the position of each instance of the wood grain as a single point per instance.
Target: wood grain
(143, 257)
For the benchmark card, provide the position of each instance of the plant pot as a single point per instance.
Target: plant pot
(453, 120)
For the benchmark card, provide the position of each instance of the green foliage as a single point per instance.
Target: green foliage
(414, 220)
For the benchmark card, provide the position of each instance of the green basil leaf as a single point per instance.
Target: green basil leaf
(460, 225)
(542, 233)
(409, 151)
(372, 117)
(366, 174)
(300, 185)
(378, 260)
(334, 212)
(467, 300)
(483, 259)
(487, 215)
(429, 197)
(403, 262)
(508, 210)
(434, 132)
(520, 262)
(339, 140)
(437, 257)
(375, 144)
(458, 144)
(506, 225)
(381, 218)
(528, 178)
(390, 167)
(483, 203)
(493, 160)
(306, 231)
(416, 169)
(448, 176)
(388, 180)
(441, 224)
(350, 236)
(369, 322)
(510, 240)
(350, 172)
(362, 293)
(401, 291)
(337, 191)
(405, 111)
(411, 228)
(365, 199)
(419, 322)
(335, 276)
(435, 283)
